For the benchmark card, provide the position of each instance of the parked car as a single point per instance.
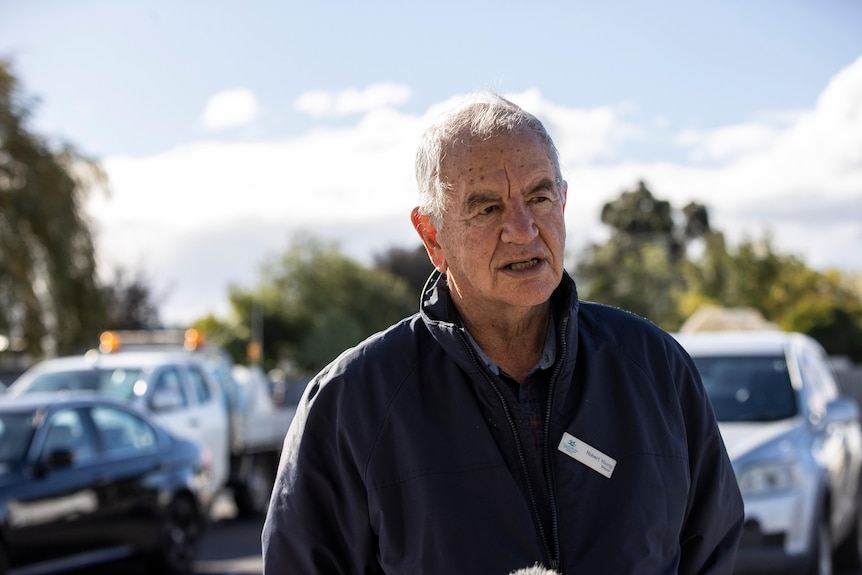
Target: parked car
(173, 386)
(87, 480)
(796, 447)
(196, 391)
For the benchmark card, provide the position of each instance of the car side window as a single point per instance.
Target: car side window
(199, 384)
(69, 380)
(818, 378)
(122, 432)
(16, 431)
(66, 431)
(168, 391)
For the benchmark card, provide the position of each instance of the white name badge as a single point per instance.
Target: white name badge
(587, 454)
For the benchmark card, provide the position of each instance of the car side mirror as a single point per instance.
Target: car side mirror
(841, 410)
(59, 458)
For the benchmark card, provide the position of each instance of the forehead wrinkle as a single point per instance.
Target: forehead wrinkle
(485, 182)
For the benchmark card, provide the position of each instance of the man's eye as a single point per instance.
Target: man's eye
(487, 210)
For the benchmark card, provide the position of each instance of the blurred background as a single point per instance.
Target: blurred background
(246, 167)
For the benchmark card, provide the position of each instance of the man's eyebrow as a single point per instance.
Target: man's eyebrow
(543, 183)
(478, 199)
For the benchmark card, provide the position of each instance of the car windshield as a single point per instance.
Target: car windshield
(16, 430)
(748, 388)
(113, 382)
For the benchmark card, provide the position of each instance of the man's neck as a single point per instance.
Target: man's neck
(514, 344)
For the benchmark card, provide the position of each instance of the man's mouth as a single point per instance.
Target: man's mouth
(519, 266)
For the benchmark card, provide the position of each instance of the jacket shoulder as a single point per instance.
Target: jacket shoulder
(620, 326)
(634, 339)
(363, 379)
(382, 357)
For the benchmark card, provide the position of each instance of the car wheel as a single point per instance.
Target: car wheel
(252, 498)
(849, 553)
(181, 531)
(4, 560)
(821, 550)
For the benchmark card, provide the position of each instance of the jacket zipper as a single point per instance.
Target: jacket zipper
(549, 477)
(552, 558)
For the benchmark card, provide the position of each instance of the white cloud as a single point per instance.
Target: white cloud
(162, 206)
(183, 209)
(321, 103)
(317, 103)
(351, 174)
(581, 135)
(801, 182)
(229, 109)
(726, 143)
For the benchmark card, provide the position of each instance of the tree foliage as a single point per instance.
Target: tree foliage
(786, 292)
(414, 266)
(129, 302)
(313, 303)
(649, 266)
(50, 300)
(640, 268)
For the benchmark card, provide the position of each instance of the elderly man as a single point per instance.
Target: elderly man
(506, 424)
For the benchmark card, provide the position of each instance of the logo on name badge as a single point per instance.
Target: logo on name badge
(587, 454)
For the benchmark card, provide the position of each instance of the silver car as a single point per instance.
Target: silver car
(796, 447)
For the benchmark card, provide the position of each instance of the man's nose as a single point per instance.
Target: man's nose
(519, 225)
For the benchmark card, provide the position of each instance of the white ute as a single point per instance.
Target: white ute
(195, 391)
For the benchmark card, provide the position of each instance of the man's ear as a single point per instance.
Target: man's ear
(428, 234)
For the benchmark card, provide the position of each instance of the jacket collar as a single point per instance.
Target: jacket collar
(442, 319)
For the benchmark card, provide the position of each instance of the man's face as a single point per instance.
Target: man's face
(503, 234)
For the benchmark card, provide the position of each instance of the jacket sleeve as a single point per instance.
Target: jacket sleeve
(714, 517)
(317, 520)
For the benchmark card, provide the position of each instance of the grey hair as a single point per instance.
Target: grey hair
(480, 115)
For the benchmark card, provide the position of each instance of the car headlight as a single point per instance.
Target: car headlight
(766, 478)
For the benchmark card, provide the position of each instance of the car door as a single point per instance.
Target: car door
(174, 400)
(131, 453)
(168, 399)
(840, 448)
(57, 513)
(208, 399)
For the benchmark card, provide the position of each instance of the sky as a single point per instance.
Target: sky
(227, 129)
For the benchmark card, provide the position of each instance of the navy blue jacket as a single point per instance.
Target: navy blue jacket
(408, 456)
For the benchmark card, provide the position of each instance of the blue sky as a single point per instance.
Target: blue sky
(226, 127)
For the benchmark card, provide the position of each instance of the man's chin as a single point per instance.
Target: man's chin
(532, 293)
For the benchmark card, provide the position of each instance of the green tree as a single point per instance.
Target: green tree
(641, 267)
(129, 302)
(638, 277)
(314, 302)
(638, 214)
(754, 274)
(412, 265)
(824, 305)
(647, 266)
(837, 327)
(50, 300)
